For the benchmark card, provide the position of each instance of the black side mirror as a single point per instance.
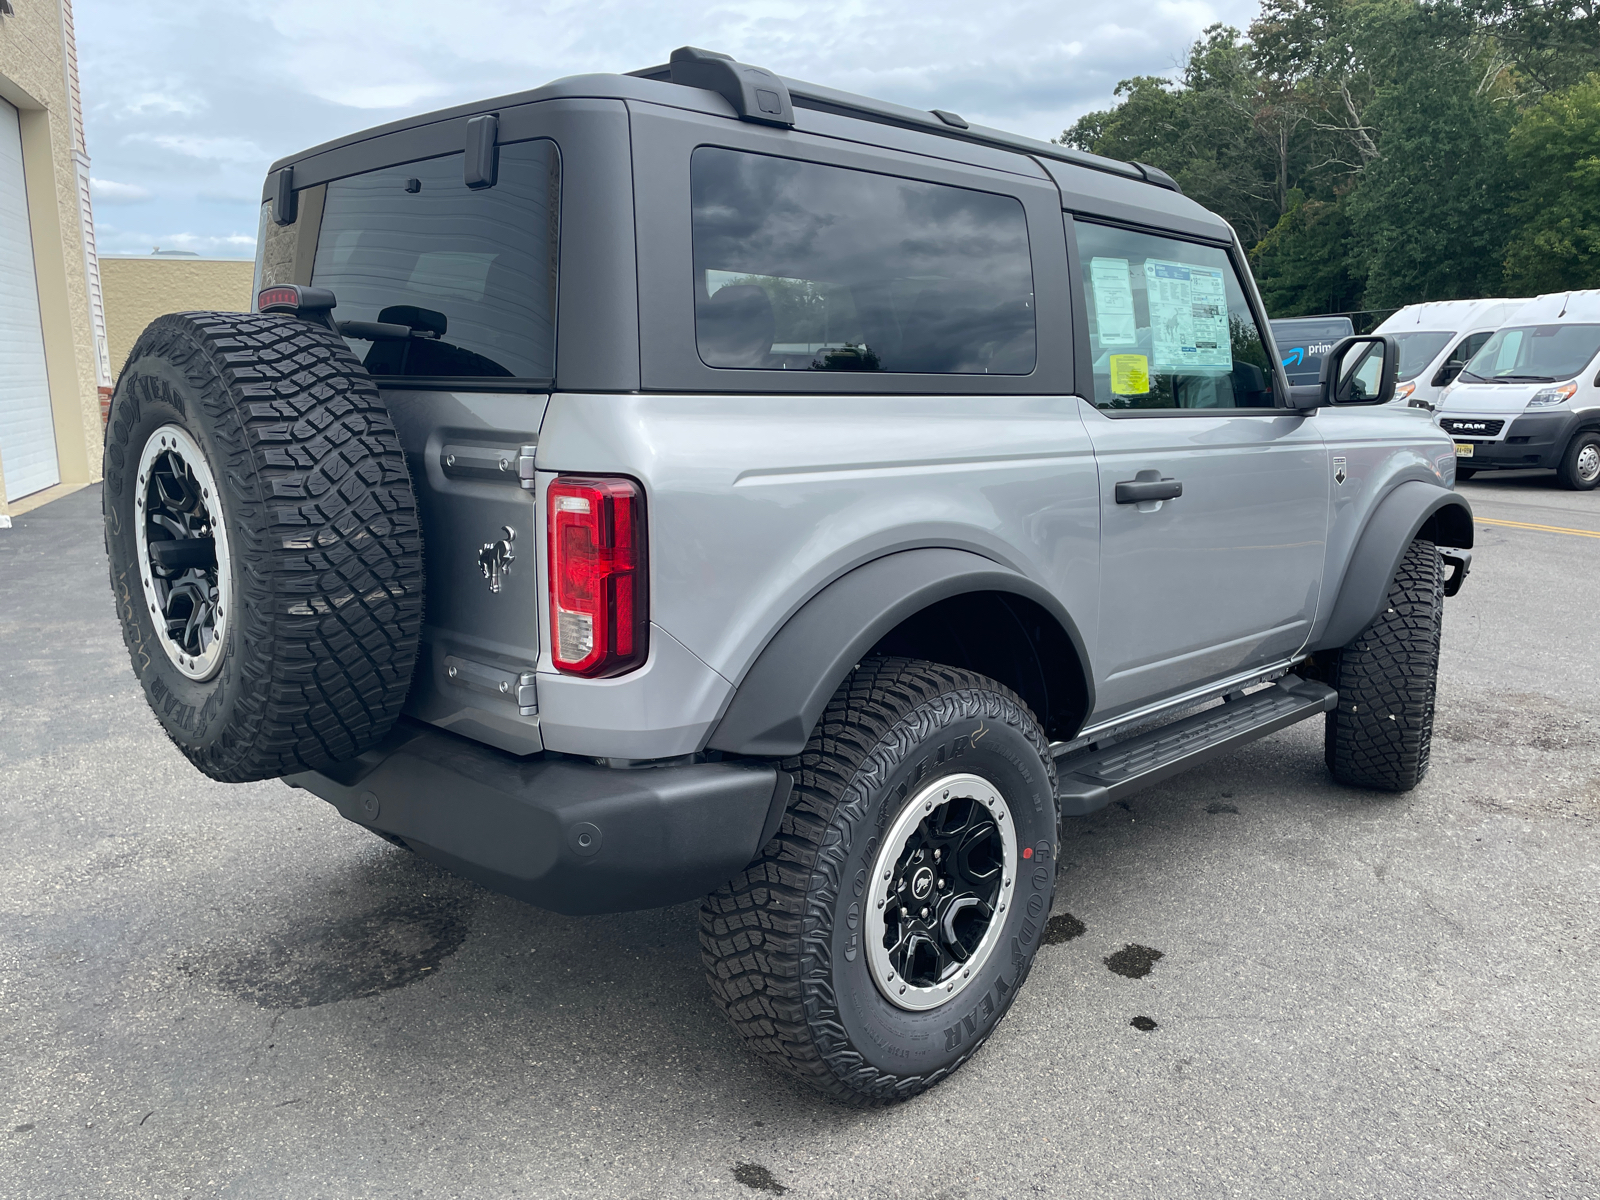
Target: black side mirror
(1360, 370)
(1446, 374)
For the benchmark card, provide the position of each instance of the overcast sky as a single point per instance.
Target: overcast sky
(187, 102)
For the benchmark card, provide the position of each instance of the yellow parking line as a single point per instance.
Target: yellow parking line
(1540, 528)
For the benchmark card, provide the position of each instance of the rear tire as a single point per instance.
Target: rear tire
(263, 541)
(1465, 472)
(1580, 465)
(873, 1002)
(1380, 734)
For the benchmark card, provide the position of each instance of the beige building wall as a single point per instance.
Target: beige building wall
(140, 289)
(38, 75)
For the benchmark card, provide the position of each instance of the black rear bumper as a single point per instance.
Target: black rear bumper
(562, 833)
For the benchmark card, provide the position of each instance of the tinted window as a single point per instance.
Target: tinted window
(1168, 324)
(803, 267)
(1303, 344)
(1534, 354)
(1417, 350)
(472, 273)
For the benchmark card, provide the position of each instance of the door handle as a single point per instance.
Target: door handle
(1133, 491)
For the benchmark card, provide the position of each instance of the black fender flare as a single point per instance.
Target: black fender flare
(782, 695)
(1395, 522)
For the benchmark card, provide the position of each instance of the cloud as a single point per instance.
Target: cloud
(108, 191)
(191, 100)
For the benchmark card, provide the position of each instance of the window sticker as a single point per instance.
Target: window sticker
(1113, 301)
(1130, 374)
(1188, 317)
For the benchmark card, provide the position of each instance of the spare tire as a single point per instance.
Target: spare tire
(262, 530)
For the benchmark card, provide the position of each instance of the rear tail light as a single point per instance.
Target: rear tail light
(599, 586)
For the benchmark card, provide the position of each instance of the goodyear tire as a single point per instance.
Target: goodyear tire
(1380, 734)
(885, 930)
(263, 541)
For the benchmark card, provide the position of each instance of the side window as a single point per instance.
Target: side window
(1460, 357)
(471, 273)
(805, 267)
(1468, 346)
(1169, 326)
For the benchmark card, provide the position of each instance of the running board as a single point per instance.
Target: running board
(1090, 782)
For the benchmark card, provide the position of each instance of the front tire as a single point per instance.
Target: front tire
(885, 930)
(1381, 732)
(1580, 465)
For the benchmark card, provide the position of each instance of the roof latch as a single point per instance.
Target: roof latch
(756, 94)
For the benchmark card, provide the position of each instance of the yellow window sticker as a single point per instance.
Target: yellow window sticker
(1130, 374)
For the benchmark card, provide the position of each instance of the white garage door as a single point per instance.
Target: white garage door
(27, 433)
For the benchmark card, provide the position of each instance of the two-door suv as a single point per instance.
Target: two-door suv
(699, 483)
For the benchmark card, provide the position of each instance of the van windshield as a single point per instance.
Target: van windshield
(1534, 354)
(1417, 350)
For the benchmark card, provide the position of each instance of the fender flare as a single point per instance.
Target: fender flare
(782, 695)
(1398, 518)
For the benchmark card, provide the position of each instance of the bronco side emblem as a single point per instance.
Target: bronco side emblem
(495, 559)
(1338, 475)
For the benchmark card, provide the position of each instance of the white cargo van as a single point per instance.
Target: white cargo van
(1437, 339)
(1530, 398)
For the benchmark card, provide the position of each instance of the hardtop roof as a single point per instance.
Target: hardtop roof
(652, 85)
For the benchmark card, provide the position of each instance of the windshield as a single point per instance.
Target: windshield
(1534, 354)
(1417, 350)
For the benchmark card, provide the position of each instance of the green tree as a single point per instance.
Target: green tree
(1304, 264)
(1554, 155)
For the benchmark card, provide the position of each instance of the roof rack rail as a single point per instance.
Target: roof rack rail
(847, 104)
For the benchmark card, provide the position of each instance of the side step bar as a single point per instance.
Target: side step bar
(1091, 781)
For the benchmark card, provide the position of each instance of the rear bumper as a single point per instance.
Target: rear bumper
(562, 833)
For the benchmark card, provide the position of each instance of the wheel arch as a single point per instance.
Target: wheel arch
(1411, 510)
(921, 603)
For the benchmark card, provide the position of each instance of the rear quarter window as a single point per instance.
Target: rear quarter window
(804, 267)
(471, 272)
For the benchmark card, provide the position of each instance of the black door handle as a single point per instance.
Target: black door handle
(1132, 491)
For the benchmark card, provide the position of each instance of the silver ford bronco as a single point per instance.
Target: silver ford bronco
(700, 483)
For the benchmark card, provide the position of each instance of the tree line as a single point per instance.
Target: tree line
(1374, 153)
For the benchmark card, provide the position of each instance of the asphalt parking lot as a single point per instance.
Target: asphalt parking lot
(218, 991)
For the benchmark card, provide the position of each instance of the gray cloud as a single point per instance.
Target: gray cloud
(188, 102)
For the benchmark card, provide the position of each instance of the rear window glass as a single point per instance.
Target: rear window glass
(804, 267)
(1534, 354)
(470, 273)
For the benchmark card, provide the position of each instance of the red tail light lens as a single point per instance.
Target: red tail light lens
(599, 586)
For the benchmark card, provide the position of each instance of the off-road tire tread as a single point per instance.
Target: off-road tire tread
(1380, 734)
(325, 520)
(765, 936)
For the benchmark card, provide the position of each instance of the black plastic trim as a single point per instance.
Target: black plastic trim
(781, 697)
(466, 383)
(559, 832)
(283, 196)
(480, 165)
(1395, 522)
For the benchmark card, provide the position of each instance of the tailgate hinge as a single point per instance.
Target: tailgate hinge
(525, 458)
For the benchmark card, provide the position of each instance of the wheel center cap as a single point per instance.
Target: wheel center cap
(922, 883)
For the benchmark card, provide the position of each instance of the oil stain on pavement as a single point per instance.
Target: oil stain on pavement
(1062, 927)
(754, 1175)
(1134, 961)
(391, 940)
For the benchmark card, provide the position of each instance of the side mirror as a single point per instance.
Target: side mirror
(1446, 374)
(1360, 370)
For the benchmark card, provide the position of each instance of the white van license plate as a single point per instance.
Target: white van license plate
(1464, 449)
